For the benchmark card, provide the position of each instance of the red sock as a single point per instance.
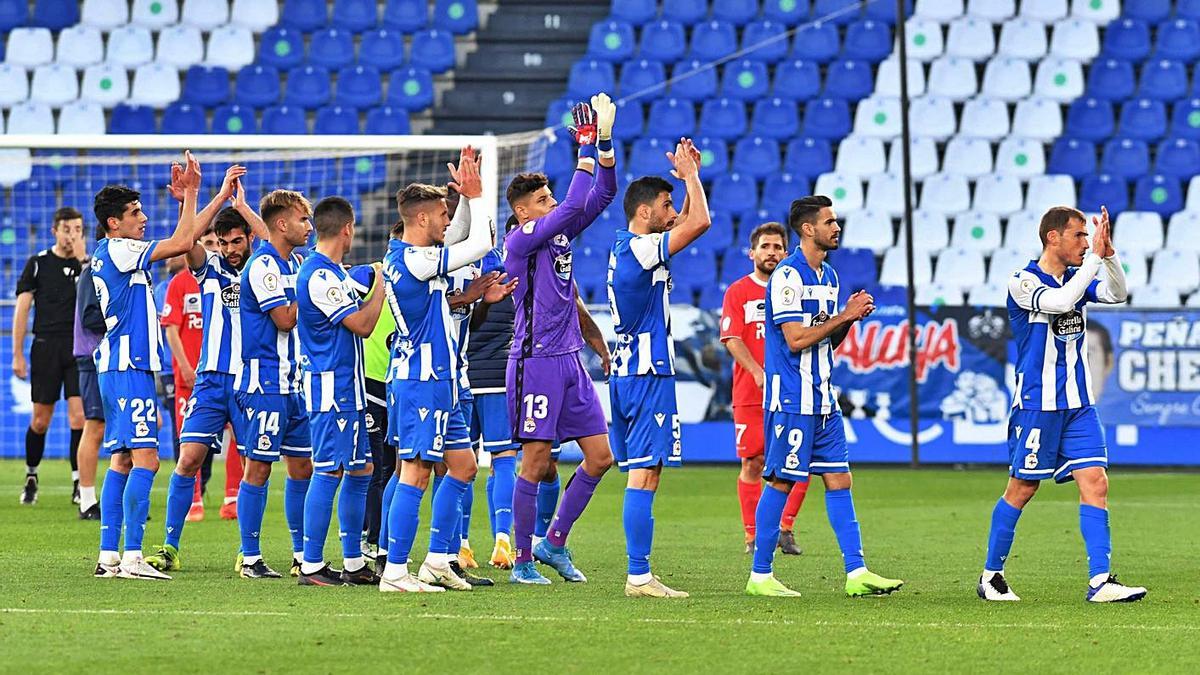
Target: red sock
(748, 494)
(233, 470)
(196, 499)
(792, 507)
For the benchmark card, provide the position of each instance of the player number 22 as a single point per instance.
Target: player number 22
(536, 406)
(142, 410)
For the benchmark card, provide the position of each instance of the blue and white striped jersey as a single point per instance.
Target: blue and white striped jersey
(270, 357)
(220, 287)
(332, 356)
(424, 348)
(799, 382)
(639, 296)
(120, 273)
(459, 280)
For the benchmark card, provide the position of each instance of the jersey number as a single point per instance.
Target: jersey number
(268, 422)
(739, 430)
(795, 441)
(1033, 443)
(142, 410)
(536, 406)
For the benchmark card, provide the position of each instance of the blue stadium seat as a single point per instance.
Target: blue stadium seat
(315, 175)
(1125, 158)
(457, 16)
(718, 239)
(737, 12)
(756, 156)
(780, 189)
(775, 118)
(336, 120)
(662, 41)
(848, 10)
(641, 75)
(359, 87)
(1143, 118)
(827, 118)
(355, 15)
(1188, 9)
(284, 119)
(1185, 119)
(589, 76)
(406, 16)
(304, 15)
(770, 38)
(591, 267)
(631, 121)
(33, 202)
(132, 119)
(886, 11)
(712, 40)
(54, 14)
(671, 118)
(612, 41)
(307, 87)
(636, 12)
(1072, 156)
(855, 268)
(648, 156)
(1178, 40)
(867, 40)
(387, 120)
(12, 15)
(808, 157)
(692, 269)
(332, 48)
(1160, 194)
(184, 118)
(816, 42)
(700, 85)
(685, 11)
(850, 80)
(797, 80)
(1127, 39)
(733, 192)
(1178, 158)
(205, 85)
(433, 49)
(1150, 11)
(1111, 79)
(281, 47)
(723, 118)
(746, 80)
(1103, 190)
(714, 157)
(559, 157)
(383, 48)
(1090, 118)
(410, 88)
(234, 119)
(786, 12)
(1163, 80)
(558, 112)
(257, 86)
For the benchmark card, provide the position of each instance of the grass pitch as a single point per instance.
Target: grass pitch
(927, 527)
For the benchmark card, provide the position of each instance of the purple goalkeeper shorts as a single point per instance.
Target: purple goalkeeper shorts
(552, 398)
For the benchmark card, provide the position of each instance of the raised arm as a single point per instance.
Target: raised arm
(186, 233)
(479, 239)
(1028, 291)
(1112, 289)
(689, 226)
(197, 255)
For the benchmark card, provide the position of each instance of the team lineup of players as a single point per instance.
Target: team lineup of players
(291, 358)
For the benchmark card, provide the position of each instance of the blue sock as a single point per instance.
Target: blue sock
(433, 487)
(491, 501)
(352, 504)
(179, 500)
(295, 493)
(446, 515)
(389, 492)
(505, 469)
(766, 535)
(638, 516)
(318, 509)
(839, 507)
(547, 502)
(1093, 523)
(468, 500)
(1000, 537)
(403, 518)
(112, 512)
(137, 506)
(251, 505)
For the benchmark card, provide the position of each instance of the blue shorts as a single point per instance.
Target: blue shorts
(799, 445)
(89, 389)
(489, 423)
(1054, 443)
(425, 420)
(339, 440)
(130, 410)
(645, 422)
(210, 408)
(270, 425)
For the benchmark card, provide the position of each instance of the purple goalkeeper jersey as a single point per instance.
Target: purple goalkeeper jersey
(539, 254)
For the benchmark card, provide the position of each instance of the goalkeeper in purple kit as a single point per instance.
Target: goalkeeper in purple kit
(550, 395)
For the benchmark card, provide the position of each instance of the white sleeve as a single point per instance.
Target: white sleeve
(131, 254)
(211, 260)
(650, 249)
(1028, 291)
(480, 239)
(1113, 289)
(787, 291)
(426, 262)
(267, 284)
(328, 295)
(460, 224)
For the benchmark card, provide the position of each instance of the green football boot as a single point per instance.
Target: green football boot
(166, 559)
(869, 583)
(770, 587)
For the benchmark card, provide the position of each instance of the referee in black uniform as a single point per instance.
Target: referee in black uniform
(48, 284)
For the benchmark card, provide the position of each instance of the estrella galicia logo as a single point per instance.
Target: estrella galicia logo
(461, 311)
(562, 265)
(1068, 327)
(231, 296)
(820, 319)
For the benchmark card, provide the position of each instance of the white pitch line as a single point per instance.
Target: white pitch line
(511, 618)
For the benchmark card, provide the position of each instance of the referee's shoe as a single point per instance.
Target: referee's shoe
(29, 492)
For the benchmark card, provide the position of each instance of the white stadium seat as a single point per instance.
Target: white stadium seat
(984, 117)
(155, 84)
(976, 230)
(155, 14)
(180, 47)
(953, 78)
(846, 191)
(81, 117)
(971, 38)
(894, 270)
(1022, 39)
(104, 14)
(1193, 300)
(1140, 231)
(868, 229)
(878, 116)
(930, 231)
(14, 84)
(992, 10)
(205, 14)
(1075, 39)
(938, 294)
(1046, 11)
(1059, 79)
(105, 84)
(998, 193)
(1176, 270)
(1021, 157)
(885, 192)
(54, 85)
(1193, 195)
(860, 156)
(924, 39)
(1005, 262)
(29, 47)
(1151, 296)
(30, 118)
(946, 193)
(1097, 12)
(231, 47)
(16, 165)
(1021, 232)
(1135, 270)
(1038, 118)
(1047, 191)
(1007, 79)
(257, 15)
(1183, 232)
(960, 268)
(988, 295)
(941, 11)
(970, 157)
(887, 80)
(932, 117)
(79, 47)
(923, 157)
(130, 47)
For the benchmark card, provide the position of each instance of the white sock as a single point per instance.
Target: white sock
(250, 559)
(311, 568)
(87, 498)
(230, 500)
(109, 558)
(502, 537)
(30, 470)
(395, 572)
(74, 475)
(640, 579)
(353, 564)
(1095, 581)
(464, 544)
(298, 556)
(131, 557)
(854, 574)
(535, 540)
(760, 576)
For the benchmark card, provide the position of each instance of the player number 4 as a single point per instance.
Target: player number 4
(1033, 443)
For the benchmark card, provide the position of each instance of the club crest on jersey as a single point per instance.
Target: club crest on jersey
(561, 240)
(562, 265)
(264, 442)
(1068, 327)
(1031, 461)
(231, 296)
(530, 426)
(820, 319)
(660, 418)
(370, 421)
(438, 442)
(141, 429)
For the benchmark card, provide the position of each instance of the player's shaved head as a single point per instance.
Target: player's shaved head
(1056, 219)
(331, 215)
(277, 202)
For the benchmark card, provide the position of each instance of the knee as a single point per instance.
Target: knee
(121, 463)
(597, 466)
(1095, 491)
(1019, 493)
(752, 468)
(39, 423)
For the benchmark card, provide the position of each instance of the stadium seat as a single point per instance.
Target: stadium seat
(942, 11)
(406, 16)
(232, 47)
(810, 157)
(647, 156)
(856, 268)
(206, 86)
(253, 14)
(589, 76)
(984, 117)
(54, 85)
(1185, 119)
(886, 11)
(1127, 39)
(867, 40)
(1059, 79)
(849, 80)
(33, 118)
(636, 12)
(887, 79)
(1090, 119)
(846, 191)
(967, 156)
(723, 118)
(923, 160)
(693, 80)
(411, 89)
(885, 192)
(1005, 261)
(1097, 12)
(894, 270)
(105, 84)
(1143, 118)
(663, 41)
(307, 87)
(860, 156)
(336, 120)
(1183, 232)
(1111, 79)
(184, 118)
(766, 41)
(846, 11)
(79, 117)
(1075, 39)
(257, 86)
(1021, 157)
(732, 192)
(1163, 80)
(1049, 190)
(1037, 118)
(977, 231)
(775, 118)
(959, 268)
(359, 87)
(641, 75)
(756, 156)
(1158, 193)
(1103, 190)
(130, 47)
(13, 15)
(1073, 157)
(304, 15)
(930, 231)
(631, 120)
(383, 49)
(104, 15)
(685, 11)
(868, 229)
(1138, 231)
(1153, 296)
(816, 42)
(924, 39)
(79, 47)
(1178, 40)
(355, 16)
(1178, 158)
(611, 41)
(205, 15)
(1136, 273)
(1022, 38)
(939, 294)
(433, 49)
(282, 48)
(712, 40)
(29, 47)
(1046, 11)
(787, 12)
(132, 119)
(1006, 79)
(692, 269)
(387, 120)
(952, 78)
(933, 117)
(946, 193)
(997, 193)
(1150, 11)
(670, 118)
(988, 295)
(333, 48)
(14, 85)
(1125, 157)
(55, 14)
(971, 37)
(780, 189)
(878, 117)
(797, 80)
(714, 157)
(284, 119)
(746, 80)
(827, 118)
(181, 47)
(155, 85)
(1021, 236)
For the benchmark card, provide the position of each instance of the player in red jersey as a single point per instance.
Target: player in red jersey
(744, 335)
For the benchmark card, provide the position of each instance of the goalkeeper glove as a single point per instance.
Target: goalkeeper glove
(605, 115)
(583, 124)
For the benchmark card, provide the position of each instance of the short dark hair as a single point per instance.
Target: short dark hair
(330, 215)
(644, 191)
(101, 231)
(774, 228)
(64, 213)
(228, 220)
(397, 229)
(511, 223)
(524, 184)
(415, 195)
(805, 210)
(1056, 219)
(110, 202)
(452, 197)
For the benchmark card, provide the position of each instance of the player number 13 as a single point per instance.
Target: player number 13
(536, 406)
